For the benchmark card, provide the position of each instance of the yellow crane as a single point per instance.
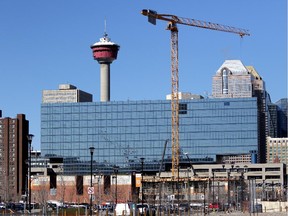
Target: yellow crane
(172, 26)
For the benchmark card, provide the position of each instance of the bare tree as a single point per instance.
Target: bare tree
(41, 191)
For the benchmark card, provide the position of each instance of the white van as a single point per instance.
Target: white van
(122, 209)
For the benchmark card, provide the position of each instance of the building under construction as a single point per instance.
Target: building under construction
(197, 186)
(233, 185)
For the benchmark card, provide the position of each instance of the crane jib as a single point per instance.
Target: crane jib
(153, 16)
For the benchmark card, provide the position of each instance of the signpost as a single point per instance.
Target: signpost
(90, 190)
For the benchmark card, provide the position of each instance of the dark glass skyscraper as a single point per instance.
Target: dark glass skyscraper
(282, 117)
(123, 132)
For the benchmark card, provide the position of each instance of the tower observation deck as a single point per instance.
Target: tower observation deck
(105, 52)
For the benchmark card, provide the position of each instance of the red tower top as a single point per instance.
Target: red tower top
(105, 51)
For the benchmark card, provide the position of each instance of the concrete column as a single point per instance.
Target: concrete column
(105, 82)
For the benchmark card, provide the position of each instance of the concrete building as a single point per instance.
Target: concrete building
(269, 172)
(185, 96)
(74, 189)
(13, 155)
(222, 183)
(66, 94)
(277, 150)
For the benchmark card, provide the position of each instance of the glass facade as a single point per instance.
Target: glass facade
(123, 132)
(282, 117)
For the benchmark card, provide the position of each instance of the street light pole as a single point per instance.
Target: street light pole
(213, 179)
(228, 186)
(188, 186)
(116, 193)
(29, 138)
(91, 173)
(142, 191)
(229, 170)
(204, 194)
(178, 188)
(263, 190)
(242, 178)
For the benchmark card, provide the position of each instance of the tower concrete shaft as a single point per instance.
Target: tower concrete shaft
(104, 82)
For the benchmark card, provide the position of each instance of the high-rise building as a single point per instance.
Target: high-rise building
(282, 114)
(234, 80)
(273, 116)
(123, 132)
(13, 154)
(66, 94)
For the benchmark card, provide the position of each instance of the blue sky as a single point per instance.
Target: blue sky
(47, 43)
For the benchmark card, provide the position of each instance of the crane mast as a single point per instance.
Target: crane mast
(174, 98)
(172, 26)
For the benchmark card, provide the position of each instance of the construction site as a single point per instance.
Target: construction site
(186, 186)
(215, 186)
(222, 185)
(211, 187)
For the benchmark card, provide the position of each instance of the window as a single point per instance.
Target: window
(225, 73)
(182, 108)
(79, 185)
(272, 169)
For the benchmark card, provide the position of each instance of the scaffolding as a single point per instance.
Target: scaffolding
(195, 192)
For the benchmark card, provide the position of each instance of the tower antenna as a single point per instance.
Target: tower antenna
(105, 28)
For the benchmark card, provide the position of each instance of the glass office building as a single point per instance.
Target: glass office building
(282, 113)
(123, 132)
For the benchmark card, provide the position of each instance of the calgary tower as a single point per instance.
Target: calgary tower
(105, 52)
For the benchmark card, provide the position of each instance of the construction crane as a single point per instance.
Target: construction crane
(172, 26)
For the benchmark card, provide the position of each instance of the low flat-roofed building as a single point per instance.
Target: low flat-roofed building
(185, 96)
(66, 94)
(269, 172)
